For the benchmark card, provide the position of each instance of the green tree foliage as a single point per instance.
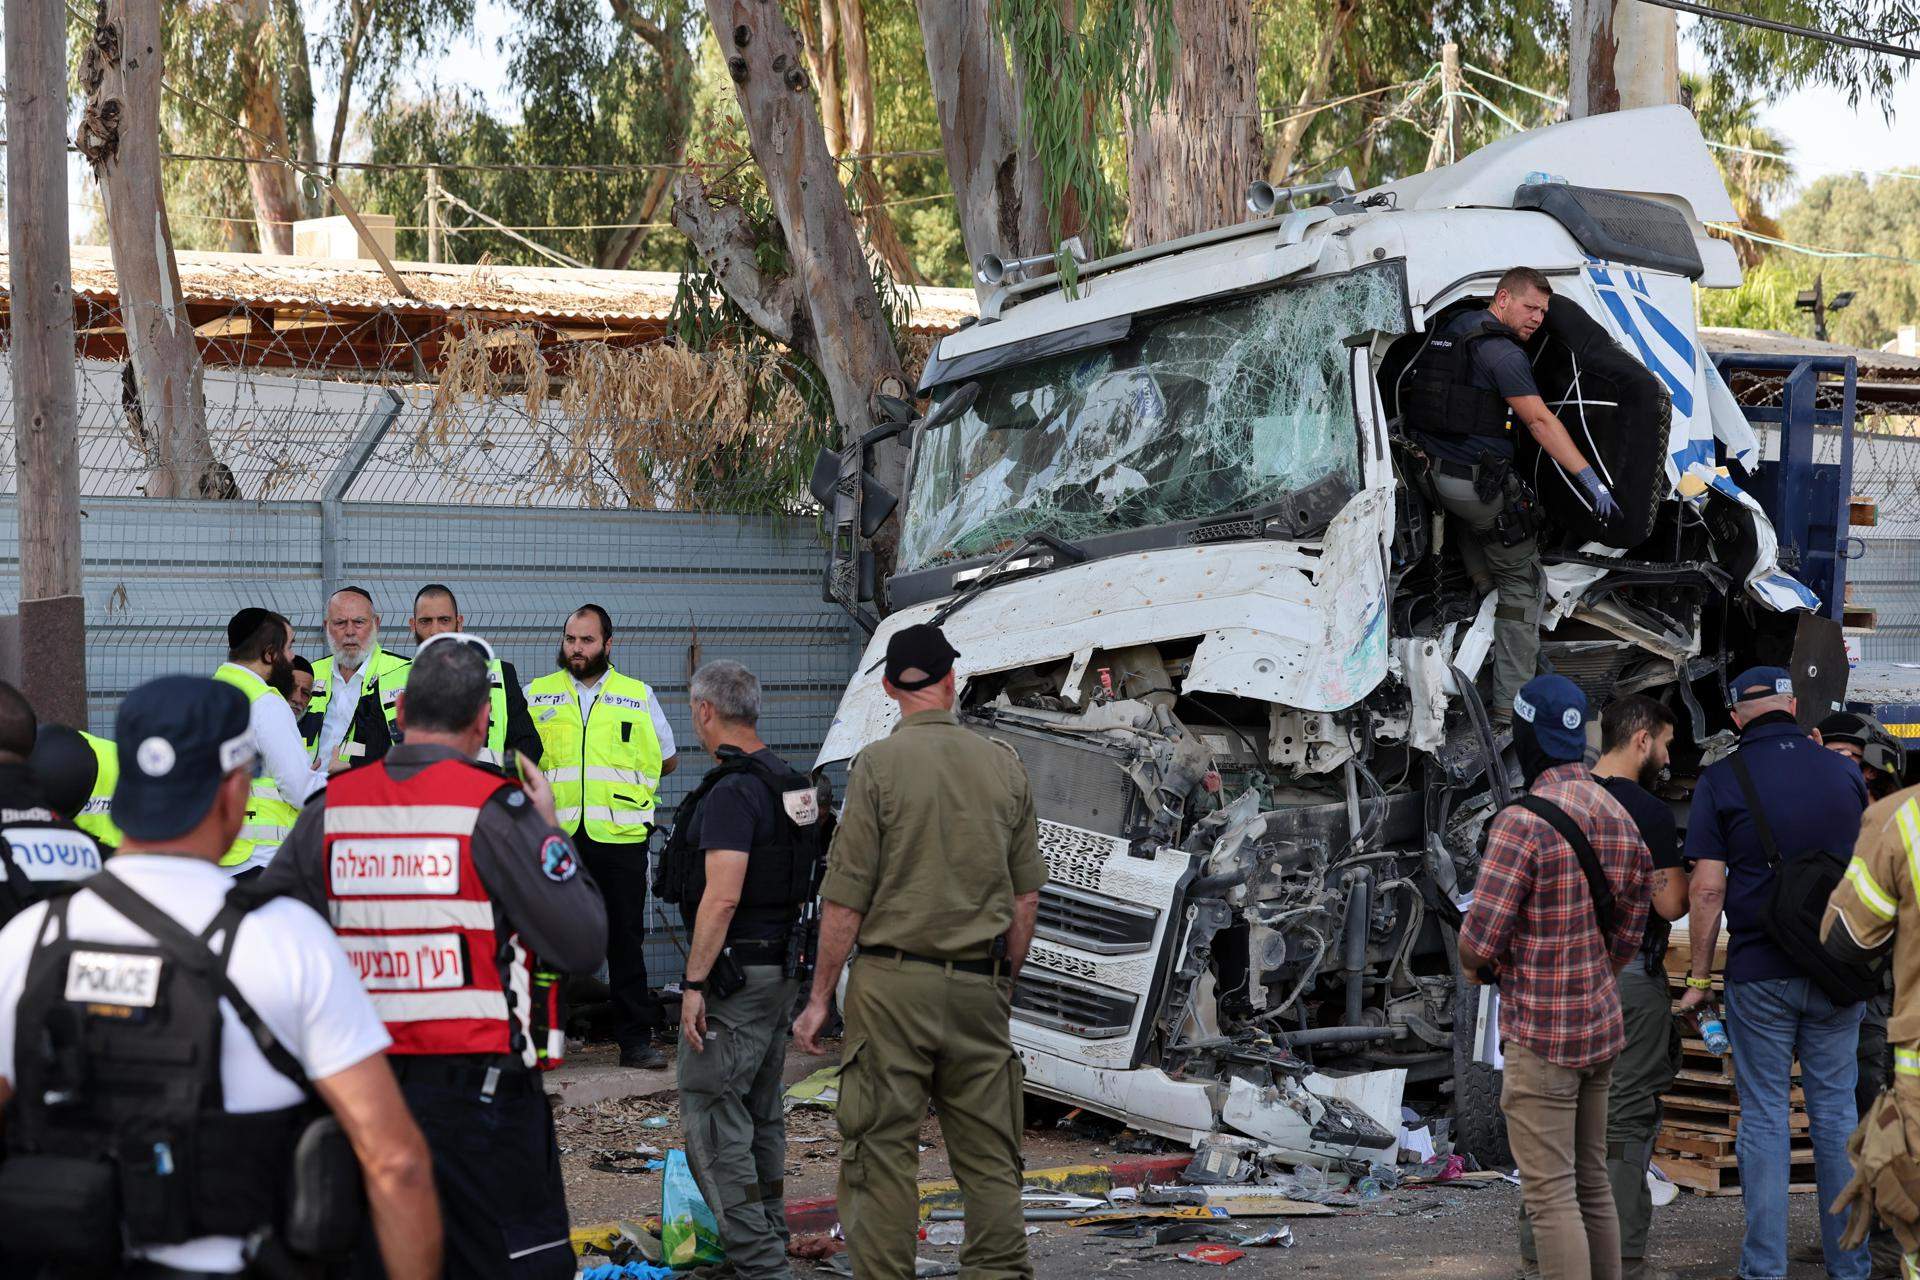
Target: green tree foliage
(1764, 299)
(1882, 216)
(1757, 61)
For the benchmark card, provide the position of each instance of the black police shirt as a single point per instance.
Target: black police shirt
(1499, 364)
(1655, 820)
(739, 813)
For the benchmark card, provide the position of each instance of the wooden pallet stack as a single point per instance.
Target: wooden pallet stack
(1695, 1145)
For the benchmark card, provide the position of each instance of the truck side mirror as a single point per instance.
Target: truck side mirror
(827, 469)
(876, 504)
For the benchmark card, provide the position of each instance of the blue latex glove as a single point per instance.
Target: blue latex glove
(1603, 504)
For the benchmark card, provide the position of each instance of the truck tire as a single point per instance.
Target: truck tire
(1479, 1126)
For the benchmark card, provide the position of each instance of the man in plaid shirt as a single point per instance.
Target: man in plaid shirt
(1534, 922)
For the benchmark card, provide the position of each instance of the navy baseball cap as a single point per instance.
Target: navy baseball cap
(1557, 710)
(1761, 682)
(177, 737)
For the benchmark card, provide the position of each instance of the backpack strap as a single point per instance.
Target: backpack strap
(1597, 886)
(201, 960)
(1763, 828)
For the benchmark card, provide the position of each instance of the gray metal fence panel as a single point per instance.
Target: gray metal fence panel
(163, 577)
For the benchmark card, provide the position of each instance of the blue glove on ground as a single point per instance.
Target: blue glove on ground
(1603, 504)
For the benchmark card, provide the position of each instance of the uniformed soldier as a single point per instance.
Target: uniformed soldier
(436, 611)
(1811, 799)
(259, 664)
(1865, 741)
(936, 871)
(606, 745)
(350, 718)
(79, 771)
(1877, 908)
(445, 881)
(740, 863)
(165, 1036)
(46, 849)
(1460, 393)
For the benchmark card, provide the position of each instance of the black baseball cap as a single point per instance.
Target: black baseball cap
(922, 647)
(177, 737)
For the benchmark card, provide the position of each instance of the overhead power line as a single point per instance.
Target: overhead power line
(1786, 28)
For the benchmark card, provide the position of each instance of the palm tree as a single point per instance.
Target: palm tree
(1753, 179)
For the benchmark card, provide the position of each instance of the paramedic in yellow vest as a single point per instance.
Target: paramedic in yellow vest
(78, 771)
(350, 719)
(259, 664)
(605, 746)
(436, 612)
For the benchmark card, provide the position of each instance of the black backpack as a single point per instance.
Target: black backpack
(1801, 886)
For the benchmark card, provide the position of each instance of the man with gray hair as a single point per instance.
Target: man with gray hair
(445, 881)
(741, 863)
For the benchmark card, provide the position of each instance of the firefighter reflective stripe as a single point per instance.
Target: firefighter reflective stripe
(439, 1006)
(1909, 816)
(387, 914)
(1872, 895)
(401, 819)
(1906, 1062)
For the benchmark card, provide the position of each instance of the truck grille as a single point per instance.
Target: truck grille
(1080, 1009)
(1094, 921)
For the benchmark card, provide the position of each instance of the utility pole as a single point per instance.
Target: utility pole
(1621, 54)
(1446, 142)
(47, 653)
(433, 214)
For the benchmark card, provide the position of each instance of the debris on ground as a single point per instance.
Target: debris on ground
(821, 1089)
(639, 1160)
(1212, 1255)
(841, 1264)
(815, 1246)
(627, 1271)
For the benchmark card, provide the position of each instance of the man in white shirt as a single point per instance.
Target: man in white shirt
(107, 1002)
(260, 664)
(351, 711)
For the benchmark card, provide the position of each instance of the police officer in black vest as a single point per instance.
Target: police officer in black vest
(46, 850)
(742, 864)
(1459, 395)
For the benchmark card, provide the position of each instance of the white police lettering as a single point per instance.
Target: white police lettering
(421, 864)
(1523, 708)
(10, 816)
(415, 962)
(1570, 717)
(620, 700)
(109, 977)
(1783, 686)
(803, 807)
(52, 853)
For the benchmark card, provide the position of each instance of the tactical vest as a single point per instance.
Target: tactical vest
(118, 1097)
(47, 853)
(604, 772)
(446, 972)
(97, 818)
(383, 674)
(781, 874)
(495, 752)
(1439, 396)
(270, 818)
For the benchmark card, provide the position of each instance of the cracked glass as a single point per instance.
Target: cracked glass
(1224, 408)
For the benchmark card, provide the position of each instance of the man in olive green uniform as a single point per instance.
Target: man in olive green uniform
(936, 871)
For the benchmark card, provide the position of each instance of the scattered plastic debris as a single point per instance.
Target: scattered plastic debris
(640, 1160)
(1212, 1255)
(821, 1089)
(1278, 1237)
(656, 1122)
(841, 1264)
(627, 1271)
(944, 1233)
(688, 1229)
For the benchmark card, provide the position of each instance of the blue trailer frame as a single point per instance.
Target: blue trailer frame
(1806, 501)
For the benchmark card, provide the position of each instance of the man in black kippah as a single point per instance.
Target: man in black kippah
(260, 665)
(936, 872)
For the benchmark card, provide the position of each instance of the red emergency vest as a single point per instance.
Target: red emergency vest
(445, 974)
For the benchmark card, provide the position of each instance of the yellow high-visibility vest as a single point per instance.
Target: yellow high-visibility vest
(96, 819)
(270, 819)
(383, 673)
(605, 771)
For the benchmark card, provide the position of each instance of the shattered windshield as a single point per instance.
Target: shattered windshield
(1221, 409)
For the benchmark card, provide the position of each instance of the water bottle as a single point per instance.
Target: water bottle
(1713, 1030)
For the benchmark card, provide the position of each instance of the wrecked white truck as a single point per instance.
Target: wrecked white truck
(1168, 519)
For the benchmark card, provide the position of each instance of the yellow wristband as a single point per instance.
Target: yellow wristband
(1699, 984)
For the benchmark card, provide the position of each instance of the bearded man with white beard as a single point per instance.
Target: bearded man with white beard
(350, 719)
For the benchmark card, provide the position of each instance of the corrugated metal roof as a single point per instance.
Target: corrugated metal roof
(546, 293)
(1881, 365)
